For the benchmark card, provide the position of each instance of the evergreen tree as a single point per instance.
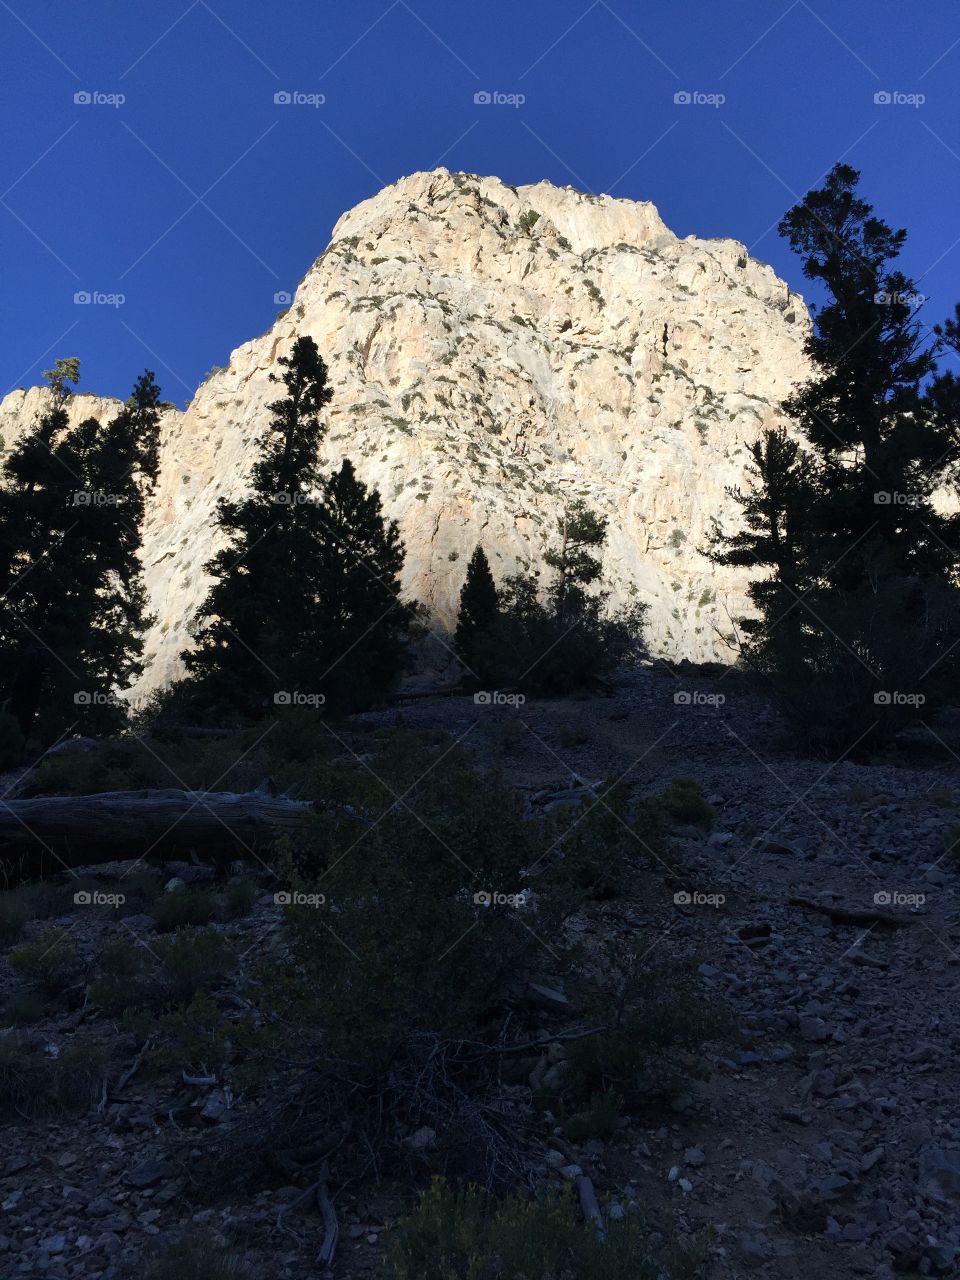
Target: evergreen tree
(305, 600)
(260, 611)
(73, 603)
(564, 639)
(857, 612)
(364, 624)
(581, 531)
(477, 617)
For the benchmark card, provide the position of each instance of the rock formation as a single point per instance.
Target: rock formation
(496, 351)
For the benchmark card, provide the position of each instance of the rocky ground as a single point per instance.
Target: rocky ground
(826, 1141)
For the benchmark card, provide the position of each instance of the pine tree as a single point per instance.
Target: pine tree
(857, 609)
(563, 639)
(305, 601)
(360, 645)
(581, 531)
(477, 617)
(260, 610)
(73, 607)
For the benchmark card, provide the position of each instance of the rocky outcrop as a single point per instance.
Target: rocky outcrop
(495, 352)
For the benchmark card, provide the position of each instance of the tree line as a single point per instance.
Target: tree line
(855, 624)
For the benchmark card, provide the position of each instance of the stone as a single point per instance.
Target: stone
(813, 1029)
(148, 1174)
(939, 1172)
(633, 363)
(753, 1250)
(695, 1157)
(424, 1139)
(546, 997)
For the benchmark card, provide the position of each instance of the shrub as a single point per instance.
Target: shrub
(194, 959)
(193, 1037)
(684, 801)
(405, 901)
(24, 1008)
(461, 1234)
(37, 901)
(190, 1258)
(47, 962)
(599, 1120)
(604, 841)
(32, 1084)
(534, 647)
(120, 983)
(654, 1049)
(14, 913)
(240, 897)
(179, 907)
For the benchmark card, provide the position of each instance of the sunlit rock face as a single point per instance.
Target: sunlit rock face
(495, 352)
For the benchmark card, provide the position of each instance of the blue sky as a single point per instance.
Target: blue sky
(198, 197)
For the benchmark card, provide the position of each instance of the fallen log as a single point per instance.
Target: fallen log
(49, 833)
(853, 915)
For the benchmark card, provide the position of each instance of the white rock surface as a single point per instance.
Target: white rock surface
(486, 368)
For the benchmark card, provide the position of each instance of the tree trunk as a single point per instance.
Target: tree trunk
(51, 833)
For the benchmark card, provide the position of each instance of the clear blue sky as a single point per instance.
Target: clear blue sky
(198, 198)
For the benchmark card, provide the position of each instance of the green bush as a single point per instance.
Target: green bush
(24, 1008)
(33, 1084)
(120, 984)
(193, 1037)
(531, 647)
(654, 1051)
(14, 913)
(461, 1234)
(684, 801)
(239, 898)
(599, 1120)
(47, 962)
(179, 907)
(400, 946)
(192, 960)
(191, 1258)
(604, 841)
(38, 901)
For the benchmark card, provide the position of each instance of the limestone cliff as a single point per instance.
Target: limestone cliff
(496, 351)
